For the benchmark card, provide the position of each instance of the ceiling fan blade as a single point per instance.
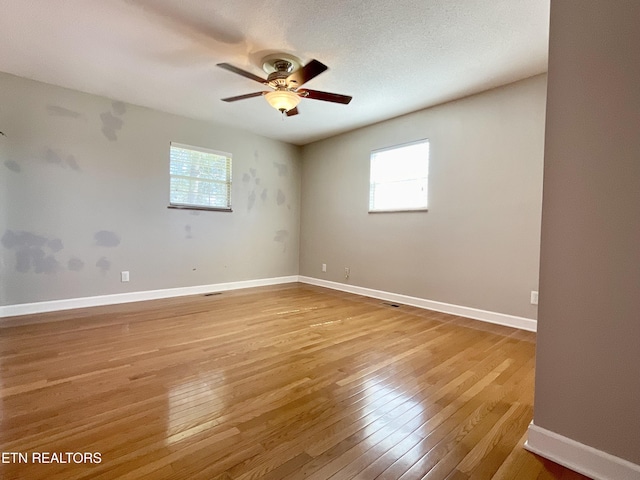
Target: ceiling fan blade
(306, 73)
(325, 96)
(292, 112)
(244, 73)
(242, 97)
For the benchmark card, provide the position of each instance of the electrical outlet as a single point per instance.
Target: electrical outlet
(124, 276)
(534, 297)
(347, 272)
(324, 267)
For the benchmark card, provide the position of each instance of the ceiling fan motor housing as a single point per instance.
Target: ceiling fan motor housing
(281, 69)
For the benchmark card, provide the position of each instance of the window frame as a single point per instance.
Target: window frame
(397, 147)
(228, 182)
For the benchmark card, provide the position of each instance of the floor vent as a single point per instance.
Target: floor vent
(212, 293)
(394, 305)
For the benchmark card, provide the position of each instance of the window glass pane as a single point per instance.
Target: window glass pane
(399, 177)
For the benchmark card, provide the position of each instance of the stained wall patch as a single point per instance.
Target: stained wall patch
(75, 264)
(103, 264)
(105, 238)
(119, 108)
(72, 162)
(55, 244)
(282, 236)
(283, 169)
(13, 166)
(110, 125)
(62, 112)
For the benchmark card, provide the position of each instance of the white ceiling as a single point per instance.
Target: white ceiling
(392, 57)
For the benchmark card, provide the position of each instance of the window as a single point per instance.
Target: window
(399, 178)
(199, 178)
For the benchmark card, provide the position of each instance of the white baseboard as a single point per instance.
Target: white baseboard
(579, 457)
(484, 315)
(67, 304)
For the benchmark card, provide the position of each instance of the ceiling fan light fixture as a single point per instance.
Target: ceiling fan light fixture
(282, 100)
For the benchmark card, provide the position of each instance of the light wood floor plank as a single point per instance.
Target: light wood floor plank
(283, 383)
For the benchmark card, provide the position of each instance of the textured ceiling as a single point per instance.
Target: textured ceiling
(392, 57)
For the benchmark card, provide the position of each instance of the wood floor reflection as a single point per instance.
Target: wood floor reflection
(282, 382)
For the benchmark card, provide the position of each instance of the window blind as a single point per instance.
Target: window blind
(399, 178)
(199, 177)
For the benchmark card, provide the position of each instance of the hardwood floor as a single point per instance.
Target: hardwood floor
(283, 382)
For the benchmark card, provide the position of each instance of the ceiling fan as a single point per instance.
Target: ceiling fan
(286, 75)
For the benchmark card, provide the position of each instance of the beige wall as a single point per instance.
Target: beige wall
(588, 359)
(4, 198)
(75, 165)
(478, 245)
